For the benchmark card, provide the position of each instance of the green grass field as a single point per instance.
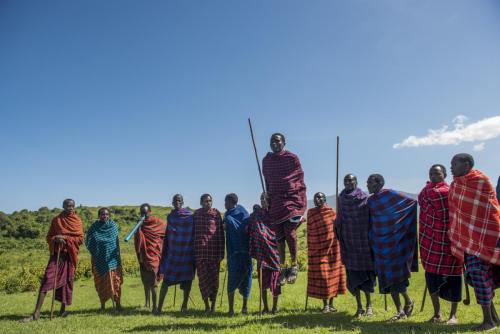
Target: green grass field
(86, 318)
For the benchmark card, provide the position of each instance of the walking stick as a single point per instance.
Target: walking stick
(264, 191)
(337, 177)
(55, 282)
(307, 299)
(223, 286)
(192, 301)
(260, 287)
(385, 302)
(256, 156)
(423, 299)
(112, 289)
(467, 294)
(175, 293)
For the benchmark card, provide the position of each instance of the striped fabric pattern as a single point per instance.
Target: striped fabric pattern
(103, 284)
(435, 245)
(484, 277)
(352, 225)
(285, 186)
(102, 242)
(474, 217)
(177, 262)
(325, 275)
(393, 236)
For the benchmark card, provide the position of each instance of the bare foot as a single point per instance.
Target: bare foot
(63, 314)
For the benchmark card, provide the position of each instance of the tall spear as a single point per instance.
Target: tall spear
(263, 190)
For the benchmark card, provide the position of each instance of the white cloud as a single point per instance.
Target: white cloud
(482, 130)
(478, 147)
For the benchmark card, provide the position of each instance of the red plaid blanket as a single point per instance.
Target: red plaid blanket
(435, 249)
(474, 217)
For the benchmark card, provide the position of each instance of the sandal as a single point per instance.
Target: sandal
(369, 312)
(292, 276)
(325, 309)
(408, 309)
(28, 319)
(283, 276)
(397, 317)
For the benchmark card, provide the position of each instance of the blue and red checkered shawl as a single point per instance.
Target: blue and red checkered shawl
(263, 243)
(393, 236)
(352, 226)
(435, 245)
(177, 262)
(285, 186)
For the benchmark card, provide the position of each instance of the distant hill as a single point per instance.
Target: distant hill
(331, 200)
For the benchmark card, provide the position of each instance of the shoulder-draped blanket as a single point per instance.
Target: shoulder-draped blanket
(285, 186)
(263, 243)
(325, 272)
(393, 236)
(352, 225)
(70, 226)
(149, 242)
(177, 262)
(208, 235)
(474, 217)
(102, 242)
(435, 247)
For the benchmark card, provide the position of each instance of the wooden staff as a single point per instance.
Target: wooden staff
(112, 289)
(263, 190)
(337, 177)
(423, 299)
(307, 299)
(223, 286)
(175, 293)
(192, 301)
(467, 294)
(55, 283)
(256, 156)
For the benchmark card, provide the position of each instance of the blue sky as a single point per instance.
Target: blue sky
(125, 102)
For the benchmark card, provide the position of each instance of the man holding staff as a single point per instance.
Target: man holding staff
(393, 238)
(208, 249)
(475, 233)
(443, 271)
(286, 190)
(64, 239)
(352, 226)
(103, 244)
(148, 245)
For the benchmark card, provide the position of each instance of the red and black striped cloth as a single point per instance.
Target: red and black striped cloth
(208, 249)
(208, 235)
(285, 186)
(263, 245)
(435, 245)
(325, 273)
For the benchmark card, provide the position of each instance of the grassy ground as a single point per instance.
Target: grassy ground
(85, 317)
